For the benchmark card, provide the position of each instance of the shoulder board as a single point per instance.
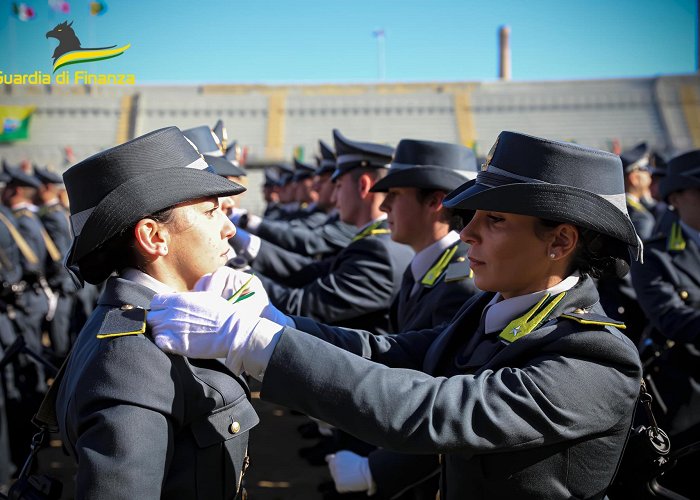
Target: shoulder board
(636, 205)
(127, 320)
(458, 271)
(593, 319)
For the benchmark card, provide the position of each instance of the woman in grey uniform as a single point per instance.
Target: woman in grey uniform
(141, 423)
(529, 392)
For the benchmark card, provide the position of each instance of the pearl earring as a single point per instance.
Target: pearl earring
(552, 255)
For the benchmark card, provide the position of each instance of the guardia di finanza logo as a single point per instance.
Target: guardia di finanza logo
(70, 50)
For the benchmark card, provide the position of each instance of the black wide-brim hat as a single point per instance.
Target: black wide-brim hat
(428, 165)
(222, 166)
(683, 172)
(551, 180)
(114, 189)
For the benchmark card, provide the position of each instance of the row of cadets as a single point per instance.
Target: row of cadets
(279, 248)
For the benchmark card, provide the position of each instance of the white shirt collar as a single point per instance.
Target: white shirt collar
(146, 280)
(425, 258)
(693, 233)
(374, 221)
(499, 313)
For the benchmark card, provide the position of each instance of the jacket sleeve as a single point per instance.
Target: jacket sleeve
(360, 281)
(278, 263)
(657, 294)
(510, 408)
(125, 425)
(324, 239)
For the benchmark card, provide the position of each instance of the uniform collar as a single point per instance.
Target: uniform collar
(499, 312)
(374, 221)
(146, 280)
(693, 234)
(427, 257)
(25, 205)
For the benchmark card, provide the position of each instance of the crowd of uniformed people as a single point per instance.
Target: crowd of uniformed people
(474, 326)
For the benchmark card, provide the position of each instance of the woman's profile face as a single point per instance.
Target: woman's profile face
(506, 253)
(199, 234)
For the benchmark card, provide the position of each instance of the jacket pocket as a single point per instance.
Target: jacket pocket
(222, 442)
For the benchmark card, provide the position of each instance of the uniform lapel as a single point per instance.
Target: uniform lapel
(688, 261)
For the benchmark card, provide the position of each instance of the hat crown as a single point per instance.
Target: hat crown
(686, 164)
(542, 160)
(439, 154)
(89, 181)
(301, 167)
(345, 146)
(326, 151)
(634, 155)
(204, 140)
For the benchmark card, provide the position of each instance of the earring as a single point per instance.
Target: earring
(165, 248)
(552, 255)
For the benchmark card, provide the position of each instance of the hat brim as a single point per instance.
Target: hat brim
(423, 177)
(672, 183)
(142, 196)
(555, 202)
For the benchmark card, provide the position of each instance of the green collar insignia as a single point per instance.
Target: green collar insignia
(371, 231)
(636, 205)
(434, 273)
(676, 242)
(529, 321)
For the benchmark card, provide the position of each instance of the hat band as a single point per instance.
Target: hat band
(78, 220)
(494, 177)
(397, 167)
(327, 163)
(343, 159)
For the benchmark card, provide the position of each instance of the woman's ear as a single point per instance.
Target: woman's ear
(564, 241)
(151, 238)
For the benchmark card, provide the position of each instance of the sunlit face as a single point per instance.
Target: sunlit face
(324, 186)
(199, 234)
(305, 190)
(406, 216)
(506, 254)
(347, 198)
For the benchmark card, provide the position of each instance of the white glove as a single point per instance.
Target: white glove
(236, 215)
(201, 325)
(225, 281)
(350, 472)
(254, 222)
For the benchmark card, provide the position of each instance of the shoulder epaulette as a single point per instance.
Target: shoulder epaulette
(586, 318)
(676, 242)
(127, 320)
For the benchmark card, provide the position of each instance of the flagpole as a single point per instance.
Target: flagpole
(381, 55)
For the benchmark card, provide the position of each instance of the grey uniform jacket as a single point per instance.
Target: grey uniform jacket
(668, 286)
(544, 416)
(354, 289)
(144, 424)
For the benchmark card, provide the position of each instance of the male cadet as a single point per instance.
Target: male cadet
(635, 162)
(435, 286)
(38, 300)
(55, 219)
(30, 305)
(617, 295)
(668, 287)
(271, 194)
(269, 250)
(357, 287)
(19, 375)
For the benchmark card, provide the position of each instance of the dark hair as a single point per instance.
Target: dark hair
(447, 215)
(118, 252)
(595, 254)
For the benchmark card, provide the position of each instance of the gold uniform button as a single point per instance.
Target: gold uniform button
(683, 294)
(234, 428)
(126, 307)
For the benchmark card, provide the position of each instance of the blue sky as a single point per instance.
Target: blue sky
(305, 41)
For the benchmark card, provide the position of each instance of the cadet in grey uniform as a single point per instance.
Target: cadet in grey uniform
(668, 287)
(55, 219)
(141, 424)
(435, 286)
(356, 287)
(529, 392)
